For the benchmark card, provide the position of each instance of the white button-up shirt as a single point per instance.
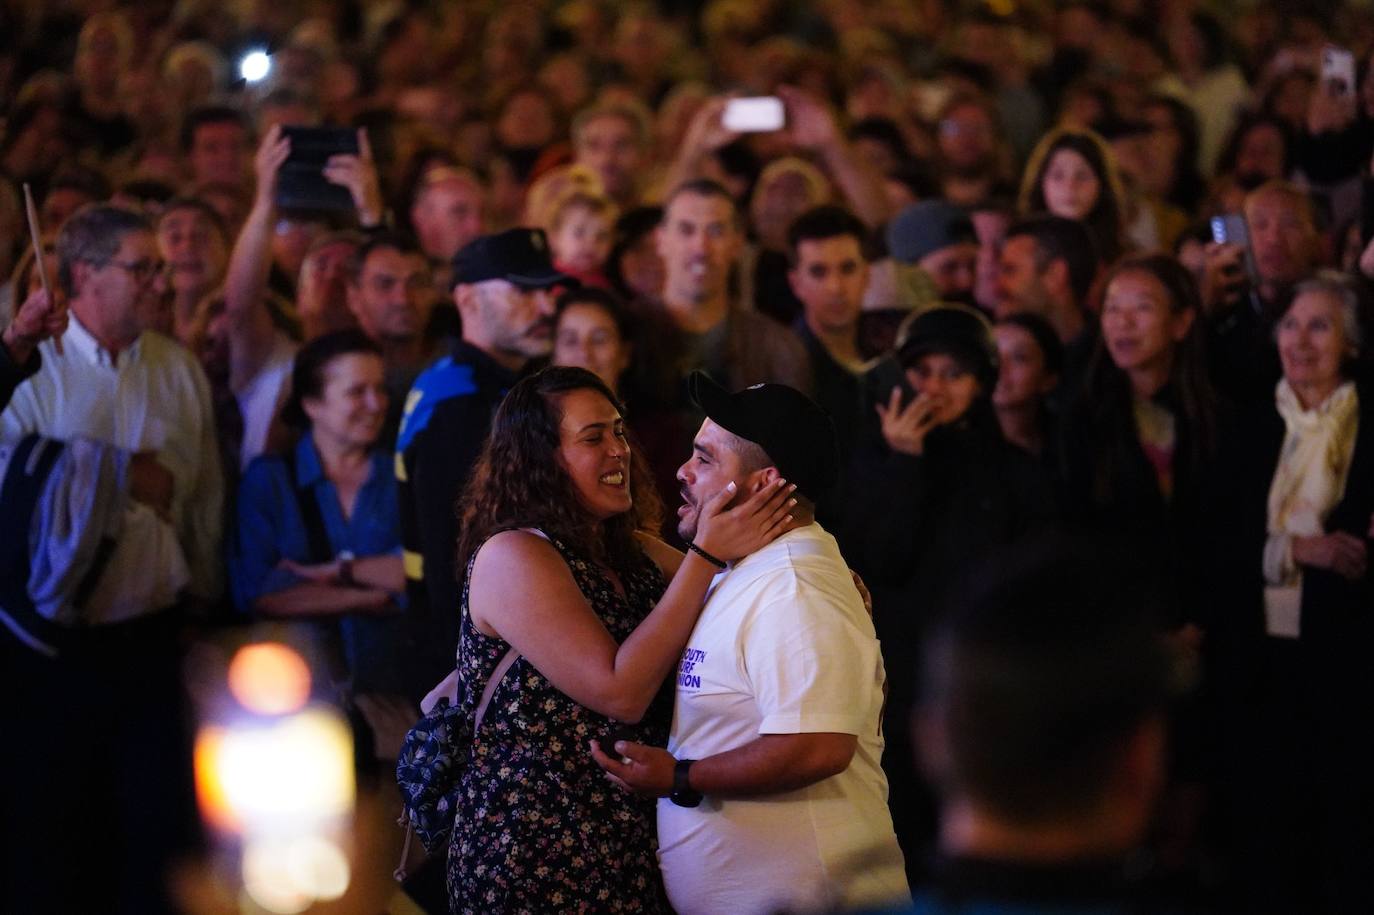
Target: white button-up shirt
(152, 396)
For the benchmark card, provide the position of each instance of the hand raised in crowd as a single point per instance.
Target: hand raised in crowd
(733, 532)
(809, 122)
(151, 483)
(358, 173)
(637, 768)
(905, 427)
(706, 134)
(43, 315)
(1223, 276)
(1339, 552)
(1329, 112)
(272, 153)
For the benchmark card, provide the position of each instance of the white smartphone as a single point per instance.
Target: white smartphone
(1338, 71)
(759, 114)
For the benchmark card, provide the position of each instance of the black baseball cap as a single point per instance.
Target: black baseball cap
(956, 331)
(796, 433)
(519, 256)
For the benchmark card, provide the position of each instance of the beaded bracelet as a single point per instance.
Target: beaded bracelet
(705, 555)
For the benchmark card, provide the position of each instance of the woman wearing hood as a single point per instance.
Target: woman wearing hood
(936, 488)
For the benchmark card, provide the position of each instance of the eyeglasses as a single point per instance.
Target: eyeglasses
(141, 270)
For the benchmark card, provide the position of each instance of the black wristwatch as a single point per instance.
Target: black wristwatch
(683, 795)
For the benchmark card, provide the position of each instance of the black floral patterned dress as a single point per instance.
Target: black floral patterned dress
(539, 828)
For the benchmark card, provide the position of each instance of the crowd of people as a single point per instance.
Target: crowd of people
(1015, 393)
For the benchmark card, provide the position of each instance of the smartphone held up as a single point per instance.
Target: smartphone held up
(301, 184)
(1232, 229)
(1338, 72)
(758, 114)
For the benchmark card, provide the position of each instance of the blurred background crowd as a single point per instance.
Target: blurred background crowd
(1100, 265)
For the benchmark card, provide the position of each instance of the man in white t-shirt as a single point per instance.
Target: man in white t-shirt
(772, 794)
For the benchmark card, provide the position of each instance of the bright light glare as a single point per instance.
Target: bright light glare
(267, 878)
(288, 875)
(255, 66)
(317, 866)
(283, 778)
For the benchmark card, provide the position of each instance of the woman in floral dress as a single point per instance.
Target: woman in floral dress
(562, 572)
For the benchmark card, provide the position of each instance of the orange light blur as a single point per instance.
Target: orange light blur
(214, 800)
(269, 678)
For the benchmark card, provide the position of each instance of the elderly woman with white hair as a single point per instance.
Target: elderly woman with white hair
(1295, 651)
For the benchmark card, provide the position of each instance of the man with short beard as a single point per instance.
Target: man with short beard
(503, 289)
(1046, 267)
(772, 797)
(969, 146)
(696, 324)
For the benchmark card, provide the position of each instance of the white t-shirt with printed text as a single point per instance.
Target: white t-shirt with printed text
(783, 646)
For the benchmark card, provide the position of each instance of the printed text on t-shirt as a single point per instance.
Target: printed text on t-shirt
(686, 679)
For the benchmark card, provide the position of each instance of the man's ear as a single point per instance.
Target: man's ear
(463, 298)
(758, 479)
(80, 271)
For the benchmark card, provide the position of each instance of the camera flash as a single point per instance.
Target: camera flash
(255, 66)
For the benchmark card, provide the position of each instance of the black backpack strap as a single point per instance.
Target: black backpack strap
(33, 459)
(326, 630)
(315, 535)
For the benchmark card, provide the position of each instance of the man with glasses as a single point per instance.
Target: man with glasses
(968, 148)
(109, 465)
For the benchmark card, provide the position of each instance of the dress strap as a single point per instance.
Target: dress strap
(510, 657)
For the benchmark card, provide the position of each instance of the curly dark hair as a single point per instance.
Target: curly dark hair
(518, 481)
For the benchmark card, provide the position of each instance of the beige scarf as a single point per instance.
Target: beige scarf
(1308, 482)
